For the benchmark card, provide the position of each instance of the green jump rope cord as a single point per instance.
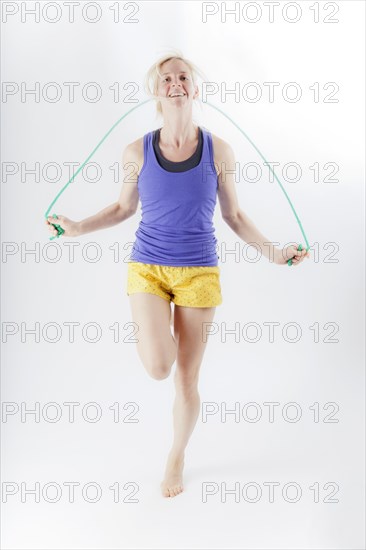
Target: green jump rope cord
(59, 229)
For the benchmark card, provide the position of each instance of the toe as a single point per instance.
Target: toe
(164, 490)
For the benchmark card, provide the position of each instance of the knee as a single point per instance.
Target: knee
(159, 370)
(187, 386)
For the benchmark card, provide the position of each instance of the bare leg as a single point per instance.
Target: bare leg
(156, 345)
(188, 332)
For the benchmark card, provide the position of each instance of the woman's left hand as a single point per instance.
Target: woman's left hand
(290, 253)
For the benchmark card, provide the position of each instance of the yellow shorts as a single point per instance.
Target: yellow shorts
(185, 286)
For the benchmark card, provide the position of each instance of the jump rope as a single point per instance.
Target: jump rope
(59, 229)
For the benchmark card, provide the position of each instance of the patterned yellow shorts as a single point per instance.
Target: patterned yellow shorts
(185, 286)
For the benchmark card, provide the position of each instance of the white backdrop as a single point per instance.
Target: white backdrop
(312, 371)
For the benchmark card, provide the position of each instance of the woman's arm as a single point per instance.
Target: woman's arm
(239, 222)
(115, 213)
(243, 226)
(128, 200)
(109, 216)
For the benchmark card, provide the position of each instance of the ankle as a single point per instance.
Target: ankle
(176, 455)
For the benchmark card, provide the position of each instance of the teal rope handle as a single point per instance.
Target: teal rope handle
(59, 229)
(289, 262)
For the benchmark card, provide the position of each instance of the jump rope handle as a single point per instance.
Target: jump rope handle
(289, 262)
(58, 228)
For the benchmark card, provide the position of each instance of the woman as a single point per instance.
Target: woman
(180, 170)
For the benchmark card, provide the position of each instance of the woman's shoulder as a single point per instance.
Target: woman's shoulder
(220, 145)
(134, 152)
(136, 148)
(222, 151)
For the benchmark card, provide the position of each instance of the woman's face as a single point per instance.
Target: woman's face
(175, 86)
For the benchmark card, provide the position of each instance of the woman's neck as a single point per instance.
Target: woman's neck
(179, 134)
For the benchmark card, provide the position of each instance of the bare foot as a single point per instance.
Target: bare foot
(172, 484)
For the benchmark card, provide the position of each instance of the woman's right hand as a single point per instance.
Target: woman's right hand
(71, 228)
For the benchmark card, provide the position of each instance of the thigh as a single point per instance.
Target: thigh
(151, 313)
(191, 336)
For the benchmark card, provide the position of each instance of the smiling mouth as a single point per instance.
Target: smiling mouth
(179, 95)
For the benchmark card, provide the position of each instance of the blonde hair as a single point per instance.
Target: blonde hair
(151, 79)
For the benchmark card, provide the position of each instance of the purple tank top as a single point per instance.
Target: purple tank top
(176, 226)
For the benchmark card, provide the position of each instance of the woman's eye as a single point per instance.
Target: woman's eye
(168, 78)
